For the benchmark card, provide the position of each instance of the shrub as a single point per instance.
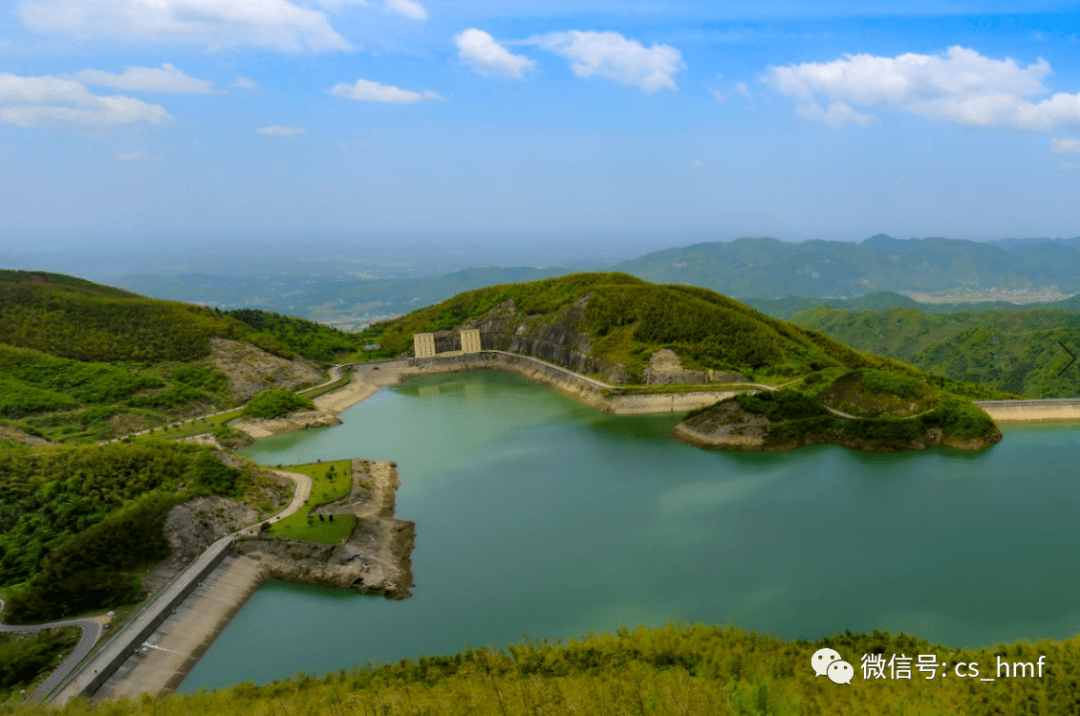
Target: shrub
(276, 403)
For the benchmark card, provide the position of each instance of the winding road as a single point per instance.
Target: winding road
(91, 632)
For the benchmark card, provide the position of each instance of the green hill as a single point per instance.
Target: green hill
(1015, 351)
(80, 361)
(609, 326)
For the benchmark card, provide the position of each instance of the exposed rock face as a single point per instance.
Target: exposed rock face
(560, 341)
(251, 370)
(665, 368)
(377, 557)
(264, 427)
(192, 526)
(724, 427)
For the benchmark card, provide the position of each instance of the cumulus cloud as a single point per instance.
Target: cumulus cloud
(276, 24)
(1065, 145)
(244, 83)
(368, 91)
(613, 57)
(960, 87)
(409, 8)
(487, 57)
(147, 79)
(56, 101)
(276, 130)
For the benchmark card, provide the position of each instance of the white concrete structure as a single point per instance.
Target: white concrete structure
(424, 345)
(470, 341)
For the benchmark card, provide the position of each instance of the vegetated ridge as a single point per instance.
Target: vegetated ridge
(612, 325)
(1016, 351)
(84, 362)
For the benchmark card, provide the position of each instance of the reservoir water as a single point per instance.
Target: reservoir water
(538, 517)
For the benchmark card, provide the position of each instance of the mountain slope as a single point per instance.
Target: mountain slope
(611, 325)
(1014, 351)
(80, 361)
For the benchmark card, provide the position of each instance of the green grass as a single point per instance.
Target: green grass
(698, 670)
(297, 526)
(323, 489)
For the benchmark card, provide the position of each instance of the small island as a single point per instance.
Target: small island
(861, 409)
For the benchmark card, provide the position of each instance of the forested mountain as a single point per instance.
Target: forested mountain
(768, 268)
(1015, 351)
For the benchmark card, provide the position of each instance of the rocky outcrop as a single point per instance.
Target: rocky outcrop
(192, 526)
(557, 339)
(375, 559)
(665, 368)
(251, 370)
(265, 427)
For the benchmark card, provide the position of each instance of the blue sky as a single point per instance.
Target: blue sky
(798, 120)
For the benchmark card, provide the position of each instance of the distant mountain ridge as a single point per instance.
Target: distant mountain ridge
(766, 268)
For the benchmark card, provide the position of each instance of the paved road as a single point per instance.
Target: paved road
(91, 632)
(163, 601)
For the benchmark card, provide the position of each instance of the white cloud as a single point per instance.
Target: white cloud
(277, 24)
(368, 91)
(487, 57)
(409, 8)
(1065, 145)
(276, 130)
(52, 101)
(244, 83)
(743, 89)
(147, 79)
(1069, 166)
(613, 57)
(960, 87)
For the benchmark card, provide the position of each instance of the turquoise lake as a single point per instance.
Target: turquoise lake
(539, 517)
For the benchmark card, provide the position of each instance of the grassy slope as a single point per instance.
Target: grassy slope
(629, 319)
(668, 671)
(1014, 351)
(81, 362)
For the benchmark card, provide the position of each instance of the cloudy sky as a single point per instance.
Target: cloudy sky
(836, 119)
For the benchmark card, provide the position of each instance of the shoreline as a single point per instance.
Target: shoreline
(376, 559)
(368, 378)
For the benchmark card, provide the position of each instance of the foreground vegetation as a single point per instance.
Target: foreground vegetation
(675, 670)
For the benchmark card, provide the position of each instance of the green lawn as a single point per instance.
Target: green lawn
(325, 487)
(297, 526)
